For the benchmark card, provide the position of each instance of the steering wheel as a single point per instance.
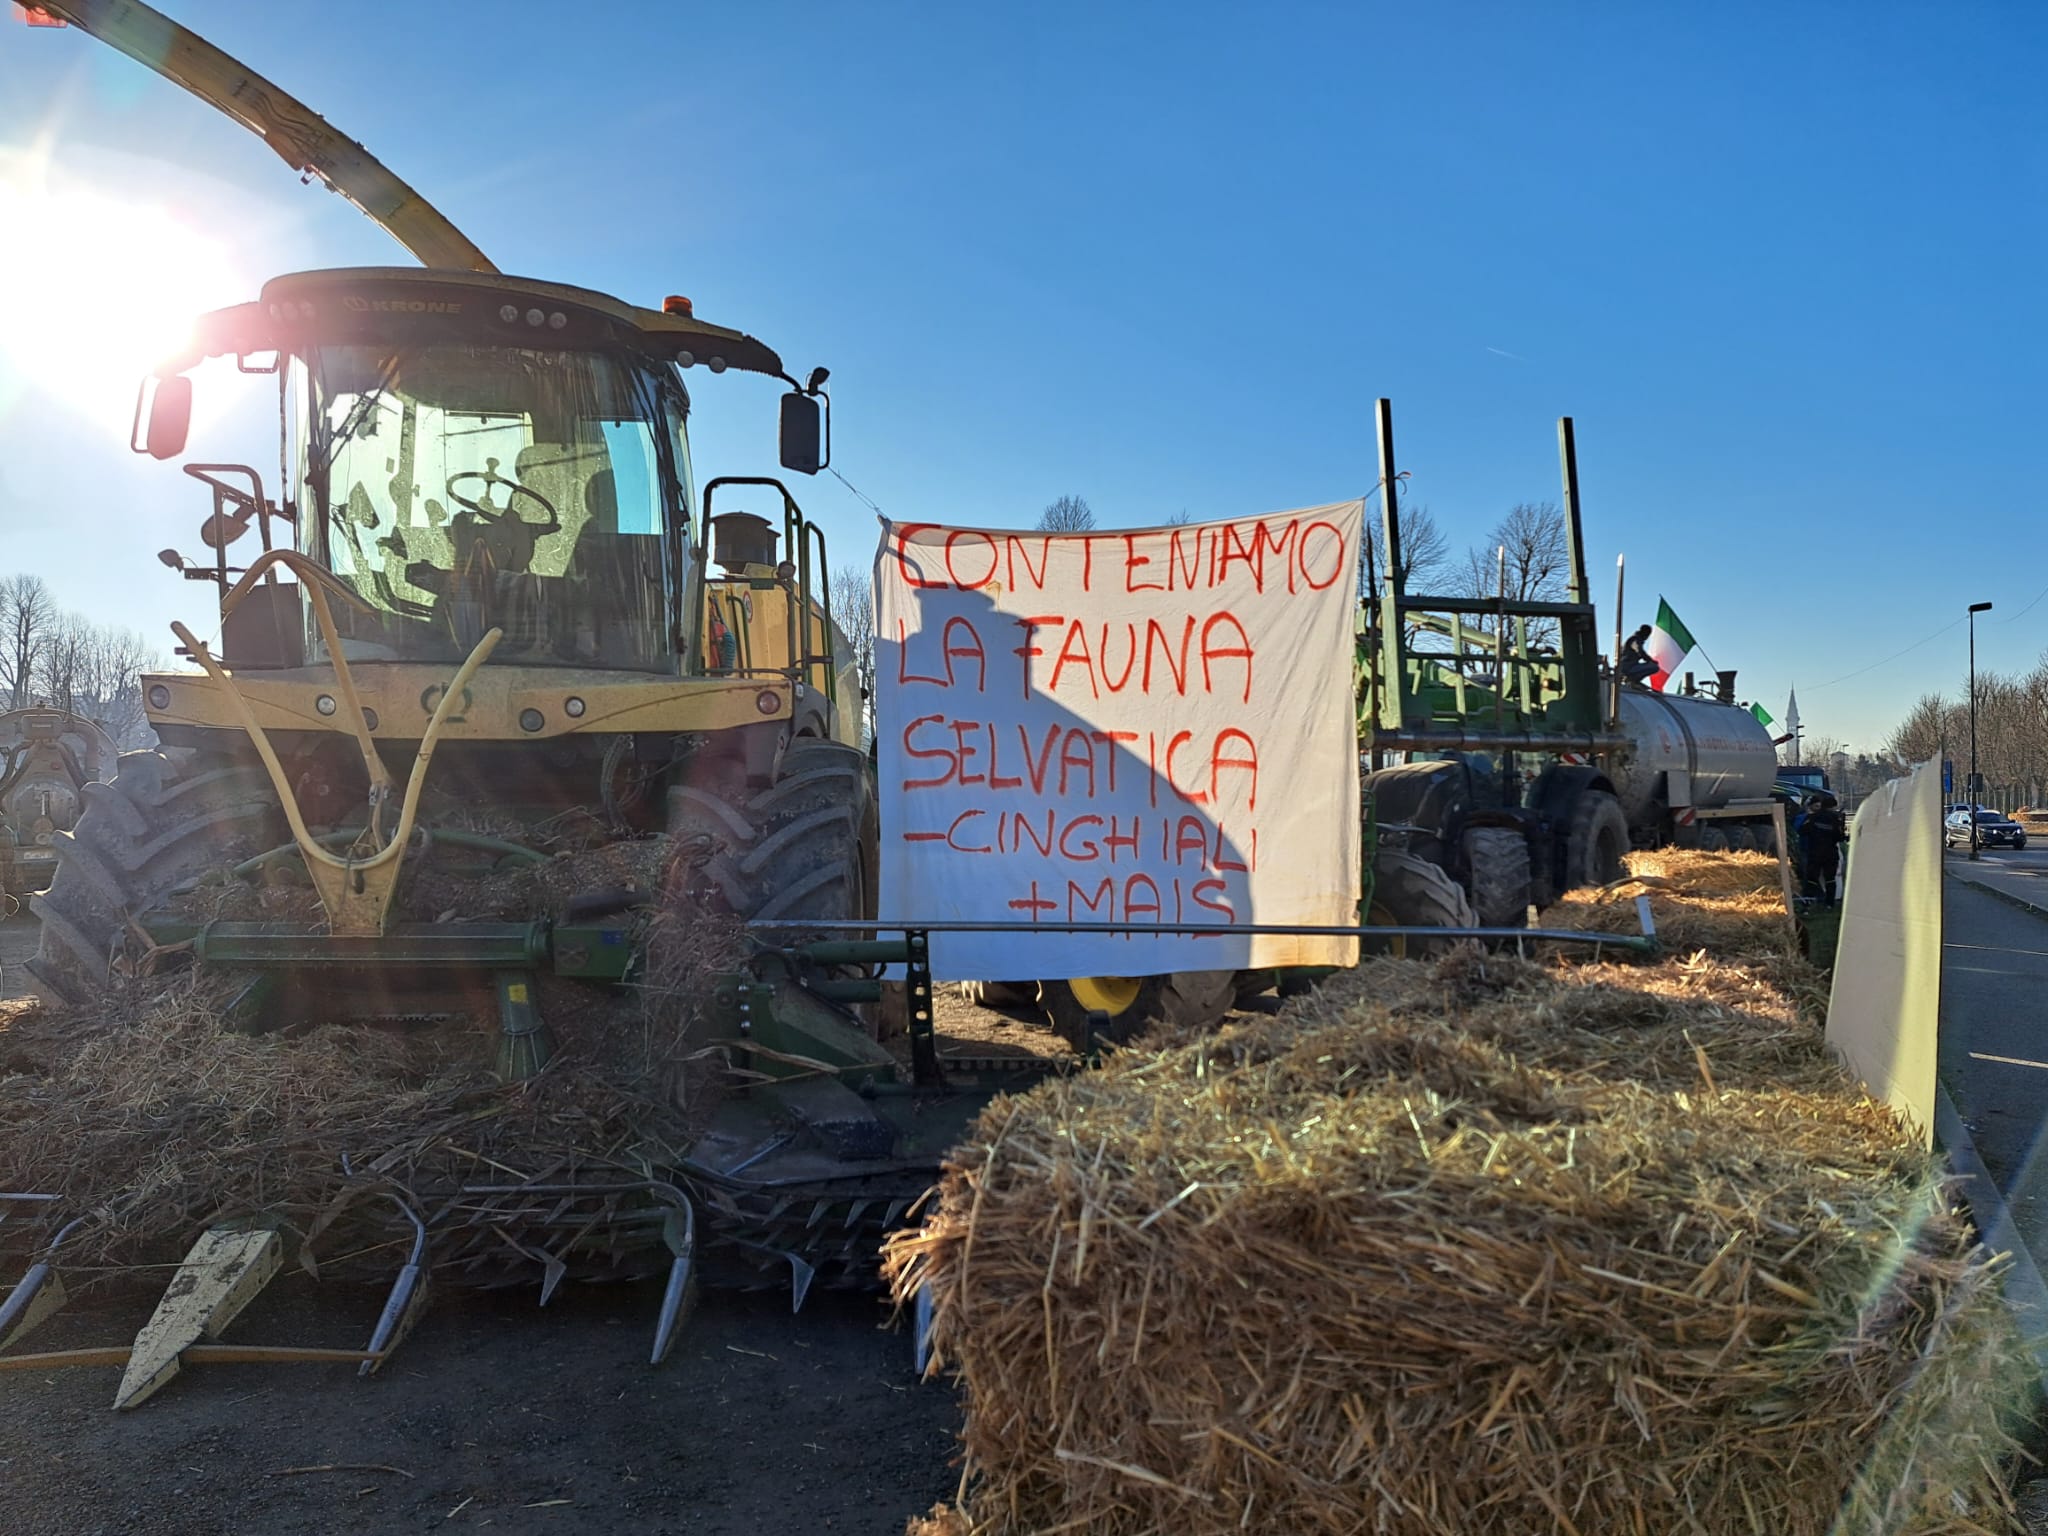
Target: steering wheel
(509, 537)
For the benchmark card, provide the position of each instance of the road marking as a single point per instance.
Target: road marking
(1997, 949)
(2010, 1061)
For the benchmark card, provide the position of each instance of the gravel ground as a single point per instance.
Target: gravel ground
(493, 1415)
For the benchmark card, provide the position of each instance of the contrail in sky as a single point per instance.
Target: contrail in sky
(1496, 351)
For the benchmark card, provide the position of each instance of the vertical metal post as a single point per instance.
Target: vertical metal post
(1500, 645)
(1393, 676)
(1614, 674)
(925, 1070)
(1971, 797)
(1568, 458)
(1509, 788)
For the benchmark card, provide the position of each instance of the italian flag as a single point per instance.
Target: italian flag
(1670, 640)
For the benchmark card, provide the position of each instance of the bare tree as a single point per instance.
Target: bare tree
(1927, 728)
(1425, 553)
(27, 612)
(1820, 749)
(1538, 554)
(109, 674)
(853, 609)
(61, 660)
(1070, 514)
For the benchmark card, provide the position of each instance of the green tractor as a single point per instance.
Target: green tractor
(1488, 723)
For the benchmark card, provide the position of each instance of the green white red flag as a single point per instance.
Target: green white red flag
(1669, 642)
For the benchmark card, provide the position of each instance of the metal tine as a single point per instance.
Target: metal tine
(923, 1329)
(679, 1231)
(408, 1294)
(39, 1294)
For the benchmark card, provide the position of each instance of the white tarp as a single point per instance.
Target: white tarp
(1144, 726)
(1884, 1009)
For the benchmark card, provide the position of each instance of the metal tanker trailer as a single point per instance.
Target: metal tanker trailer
(1697, 772)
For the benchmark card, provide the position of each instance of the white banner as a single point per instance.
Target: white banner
(1153, 726)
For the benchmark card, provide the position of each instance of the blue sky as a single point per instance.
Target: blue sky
(1781, 263)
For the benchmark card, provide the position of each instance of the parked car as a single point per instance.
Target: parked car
(1995, 829)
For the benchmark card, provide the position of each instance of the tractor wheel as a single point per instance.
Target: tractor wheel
(1713, 840)
(1408, 892)
(1132, 1004)
(1498, 858)
(1739, 840)
(167, 818)
(808, 846)
(1596, 844)
(1000, 994)
(1766, 838)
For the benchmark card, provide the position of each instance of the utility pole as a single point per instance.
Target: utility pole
(1975, 609)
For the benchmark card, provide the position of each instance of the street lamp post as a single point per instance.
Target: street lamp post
(1975, 609)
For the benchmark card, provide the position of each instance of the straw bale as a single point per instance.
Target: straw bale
(1480, 1246)
(154, 1120)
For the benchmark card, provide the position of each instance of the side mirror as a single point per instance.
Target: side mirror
(806, 445)
(168, 403)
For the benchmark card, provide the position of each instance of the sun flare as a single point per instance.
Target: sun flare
(99, 290)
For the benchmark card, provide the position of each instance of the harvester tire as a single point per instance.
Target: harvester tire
(1190, 1000)
(1408, 892)
(807, 846)
(165, 819)
(1596, 843)
(1498, 858)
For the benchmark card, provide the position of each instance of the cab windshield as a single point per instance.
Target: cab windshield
(460, 488)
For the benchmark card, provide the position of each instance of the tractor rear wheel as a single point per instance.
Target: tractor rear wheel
(1408, 892)
(1132, 1004)
(1498, 858)
(1596, 843)
(165, 819)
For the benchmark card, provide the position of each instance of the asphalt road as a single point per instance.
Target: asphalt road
(1994, 1025)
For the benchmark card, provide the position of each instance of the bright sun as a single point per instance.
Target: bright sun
(98, 291)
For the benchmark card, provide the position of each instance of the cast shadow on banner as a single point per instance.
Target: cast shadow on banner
(1011, 807)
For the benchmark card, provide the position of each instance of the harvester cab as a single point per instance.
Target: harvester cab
(487, 557)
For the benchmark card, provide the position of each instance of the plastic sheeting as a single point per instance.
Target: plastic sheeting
(1883, 1014)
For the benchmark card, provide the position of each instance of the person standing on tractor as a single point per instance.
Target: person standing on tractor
(1822, 835)
(1635, 664)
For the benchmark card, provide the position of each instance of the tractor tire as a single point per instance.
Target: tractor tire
(1766, 839)
(1001, 995)
(1130, 1005)
(1596, 842)
(1739, 840)
(1500, 878)
(1713, 840)
(165, 819)
(1409, 892)
(808, 846)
